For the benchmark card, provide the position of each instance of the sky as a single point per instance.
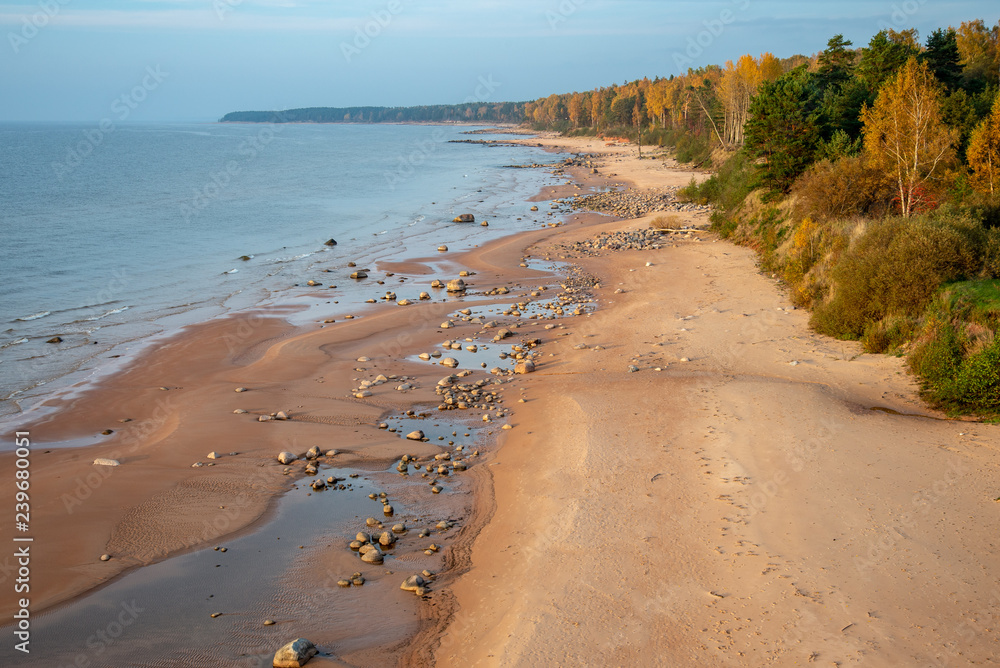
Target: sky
(195, 60)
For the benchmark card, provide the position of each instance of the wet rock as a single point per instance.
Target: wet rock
(450, 362)
(465, 218)
(387, 539)
(443, 248)
(417, 584)
(314, 452)
(358, 275)
(55, 339)
(415, 435)
(295, 654)
(398, 528)
(330, 242)
(456, 285)
(286, 458)
(372, 556)
(424, 296)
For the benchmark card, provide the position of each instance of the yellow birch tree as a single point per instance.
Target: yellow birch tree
(984, 153)
(904, 136)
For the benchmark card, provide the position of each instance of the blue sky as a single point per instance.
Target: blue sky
(76, 60)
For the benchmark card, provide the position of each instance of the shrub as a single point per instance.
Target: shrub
(842, 189)
(895, 268)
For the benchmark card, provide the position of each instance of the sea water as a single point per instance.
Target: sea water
(111, 237)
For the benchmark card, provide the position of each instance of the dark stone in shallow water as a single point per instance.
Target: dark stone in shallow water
(330, 242)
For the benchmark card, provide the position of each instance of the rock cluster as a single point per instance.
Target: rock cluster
(634, 204)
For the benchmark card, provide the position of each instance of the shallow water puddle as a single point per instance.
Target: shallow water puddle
(161, 615)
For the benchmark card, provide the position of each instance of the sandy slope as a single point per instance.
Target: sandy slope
(733, 510)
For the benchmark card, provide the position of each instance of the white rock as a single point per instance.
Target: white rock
(101, 461)
(286, 458)
(213, 455)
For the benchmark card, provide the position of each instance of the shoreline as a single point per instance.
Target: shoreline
(142, 517)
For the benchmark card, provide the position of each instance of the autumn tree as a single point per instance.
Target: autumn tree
(904, 136)
(979, 48)
(984, 153)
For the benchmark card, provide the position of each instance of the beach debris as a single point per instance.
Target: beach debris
(415, 583)
(286, 458)
(464, 218)
(213, 455)
(295, 654)
(105, 557)
(415, 435)
(330, 242)
(456, 285)
(55, 339)
(102, 461)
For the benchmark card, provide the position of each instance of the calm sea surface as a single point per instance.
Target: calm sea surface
(110, 238)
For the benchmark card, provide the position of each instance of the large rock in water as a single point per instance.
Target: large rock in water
(456, 285)
(295, 654)
(465, 218)
(330, 242)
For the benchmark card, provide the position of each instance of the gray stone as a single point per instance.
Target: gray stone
(286, 458)
(295, 654)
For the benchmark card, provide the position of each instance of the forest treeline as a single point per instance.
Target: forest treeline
(867, 178)
(469, 112)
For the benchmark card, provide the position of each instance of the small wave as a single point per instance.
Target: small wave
(105, 315)
(378, 234)
(35, 316)
(12, 343)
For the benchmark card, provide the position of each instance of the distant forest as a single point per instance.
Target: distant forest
(470, 112)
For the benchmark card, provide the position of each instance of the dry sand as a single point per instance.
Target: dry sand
(746, 507)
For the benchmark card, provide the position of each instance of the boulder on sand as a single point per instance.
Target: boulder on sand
(456, 285)
(465, 218)
(295, 654)
(286, 458)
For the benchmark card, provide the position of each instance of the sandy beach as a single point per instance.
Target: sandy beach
(750, 494)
